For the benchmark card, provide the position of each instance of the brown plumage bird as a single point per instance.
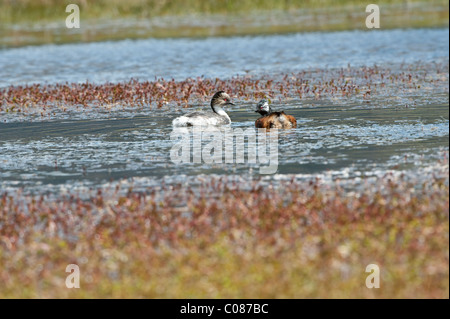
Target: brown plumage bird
(272, 119)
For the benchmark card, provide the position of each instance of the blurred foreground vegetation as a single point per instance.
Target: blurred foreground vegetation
(302, 240)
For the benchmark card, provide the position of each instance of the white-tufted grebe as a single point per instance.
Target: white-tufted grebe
(217, 117)
(272, 119)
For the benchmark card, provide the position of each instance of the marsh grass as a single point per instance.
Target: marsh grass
(298, 240)
(47, 10)
(361, 84)
(25, 22)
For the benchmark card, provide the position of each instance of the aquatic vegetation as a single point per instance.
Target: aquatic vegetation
(299, 239)
(211, 237)
(361, 84)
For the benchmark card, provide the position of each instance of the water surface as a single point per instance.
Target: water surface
(400, 130)
(218, 57)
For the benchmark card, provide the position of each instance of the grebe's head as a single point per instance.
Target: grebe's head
(263, 107)
(220, 99)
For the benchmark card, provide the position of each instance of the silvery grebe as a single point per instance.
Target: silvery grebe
(272, 119)
(217, 117)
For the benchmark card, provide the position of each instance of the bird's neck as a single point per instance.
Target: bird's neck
(220, 111)
(217, 109)
(265, 113)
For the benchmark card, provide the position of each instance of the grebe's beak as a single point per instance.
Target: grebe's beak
(230, 103)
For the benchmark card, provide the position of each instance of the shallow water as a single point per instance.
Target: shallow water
(353, 141)
(345, 136)
(218, 57)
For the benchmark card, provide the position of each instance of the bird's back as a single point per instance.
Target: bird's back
(276, 120)
(200, 119)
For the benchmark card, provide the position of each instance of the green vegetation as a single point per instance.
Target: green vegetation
(19, 11)
(42, 21)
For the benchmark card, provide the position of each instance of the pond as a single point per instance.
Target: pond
(218, 57)
(345, 138)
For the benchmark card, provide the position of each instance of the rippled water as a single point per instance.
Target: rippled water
(343, 137)
(218, 57)
(352, 141)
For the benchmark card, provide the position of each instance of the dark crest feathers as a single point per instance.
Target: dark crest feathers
(216, 96)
